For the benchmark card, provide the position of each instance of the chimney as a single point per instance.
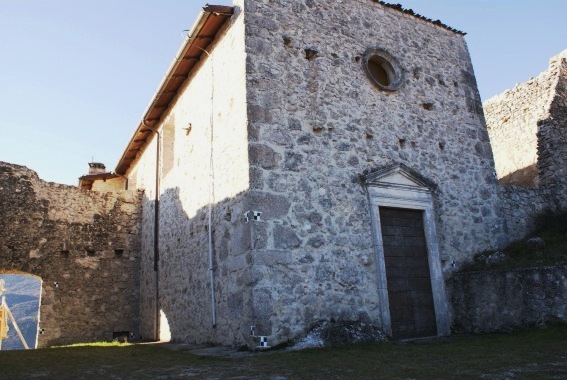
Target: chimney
(96, 168)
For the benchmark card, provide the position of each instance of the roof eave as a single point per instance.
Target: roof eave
(210, 19)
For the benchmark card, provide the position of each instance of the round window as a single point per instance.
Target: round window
(383, 69)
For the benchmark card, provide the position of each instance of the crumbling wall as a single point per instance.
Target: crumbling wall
(490, 301)
(514, 120)
(317, 122)
(528, 132)
(552, 145)
(85, 247)
(520, 207)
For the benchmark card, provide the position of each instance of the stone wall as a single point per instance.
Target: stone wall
(209, 164)
(317, 122)
(514, 123)
(492, 301)
(528, 131)
(520, 207)
(84, 246)
(552, 136)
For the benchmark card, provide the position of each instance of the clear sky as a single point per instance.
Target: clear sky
(77, 75)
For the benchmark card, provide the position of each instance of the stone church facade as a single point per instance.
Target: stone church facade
(309, 161)
(287, 130)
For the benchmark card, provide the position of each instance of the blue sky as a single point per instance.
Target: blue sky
(76, 76)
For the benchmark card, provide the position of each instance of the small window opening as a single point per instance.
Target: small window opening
(378, 72)
(91, 252)
(118, 252)
(65, 249)
(383, 69)
(121, 336)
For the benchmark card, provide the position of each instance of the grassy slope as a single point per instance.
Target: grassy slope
(532, 353)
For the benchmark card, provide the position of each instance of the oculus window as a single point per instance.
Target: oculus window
(383, 69)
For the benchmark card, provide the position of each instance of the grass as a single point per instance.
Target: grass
(114, 343)
(531, 353)
(552, 229)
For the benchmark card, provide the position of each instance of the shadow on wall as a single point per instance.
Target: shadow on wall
(185, 298)
(21, 293)
(525, 177)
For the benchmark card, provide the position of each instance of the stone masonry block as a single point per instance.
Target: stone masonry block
(263, 156)
(270, 258)
(272, 206)
(285, 238)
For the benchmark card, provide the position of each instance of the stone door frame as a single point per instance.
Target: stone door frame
(399, 187)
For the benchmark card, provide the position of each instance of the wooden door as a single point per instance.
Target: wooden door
(412, 311)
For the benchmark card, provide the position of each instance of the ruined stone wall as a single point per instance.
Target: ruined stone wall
(195, 169)
(317, 122)
(528, 131)
(85, 247)
(513, 120)
(520, 208)
(552, 134)
(492, 301)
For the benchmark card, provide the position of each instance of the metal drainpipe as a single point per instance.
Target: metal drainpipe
(211, 194)
(156, 231)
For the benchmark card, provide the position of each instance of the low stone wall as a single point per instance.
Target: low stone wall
(499, 301)
(85, 247)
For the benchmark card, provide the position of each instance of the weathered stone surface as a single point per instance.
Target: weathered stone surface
(270, 258)
(337, 125)
(333, 333)
(491, 258)
(272, 206)
(262, 155)
(296, 122)
(515, 119)
(215, 164)
(535, 244)
(84, 245)
(285, 238)
(501, 301)
(262, 310)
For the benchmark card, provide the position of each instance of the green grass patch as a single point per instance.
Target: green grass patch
(96, 344)
(530, 353)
